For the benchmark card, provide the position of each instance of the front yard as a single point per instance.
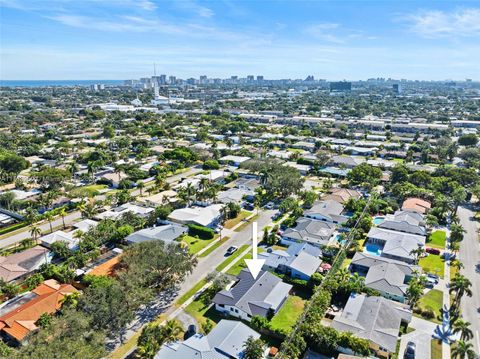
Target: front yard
(196, 244)
(234, 221)
(432, 300)
(437, 239)
(288, 314)
(237, 268)
(433, 264)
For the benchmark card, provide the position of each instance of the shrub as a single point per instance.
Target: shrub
(200, 231)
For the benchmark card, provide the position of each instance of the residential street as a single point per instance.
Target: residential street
(205, 266)
(470, 257)
(9, 240)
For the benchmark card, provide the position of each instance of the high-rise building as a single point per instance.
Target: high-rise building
(259, 78)
(340, 86)
(162, 79)
(203, 79)
(172, 80)
(397, 88)
(250, 78)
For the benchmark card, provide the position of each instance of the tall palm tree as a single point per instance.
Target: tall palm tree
(462, 327)
(140, 186)
(463, 350)
(460, 285)
(49, 217)
(62, 213)
(35, 232)
(91, 168)
(417, 253)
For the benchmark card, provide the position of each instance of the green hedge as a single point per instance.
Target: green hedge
(12, 227)
(200, 231)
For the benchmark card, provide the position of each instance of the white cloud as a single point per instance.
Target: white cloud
(195, 7)
(438, 24)
(325, 31)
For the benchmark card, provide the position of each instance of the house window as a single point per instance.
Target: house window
(221, 305)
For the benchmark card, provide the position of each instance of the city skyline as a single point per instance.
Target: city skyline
(122, 39)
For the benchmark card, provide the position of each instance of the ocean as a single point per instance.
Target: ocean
(49, 83)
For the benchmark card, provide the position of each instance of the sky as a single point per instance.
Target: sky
(333, 40)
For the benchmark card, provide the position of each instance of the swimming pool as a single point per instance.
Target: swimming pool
(378, 220)
(373, 249)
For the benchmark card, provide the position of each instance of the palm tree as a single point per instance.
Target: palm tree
(91, 168)
(417, 253)
(26, 243)
(463, 327)
(35, 232)
(49, 217)
(171, 330)
(463, 350)
(72, 168)
(63, 212)
(460, 285)
(140, 186)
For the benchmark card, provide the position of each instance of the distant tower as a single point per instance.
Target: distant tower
(156, 92)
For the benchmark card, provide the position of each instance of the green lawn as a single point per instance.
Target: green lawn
(202, 309)
(434, 300)
(244, 224)
(237, 267)
(88, 191)
(437, 239)
(191, 292)
(231, 258)
(433, 264)
(288, 314)
(234, 221)
(196, 244)
(346, 262)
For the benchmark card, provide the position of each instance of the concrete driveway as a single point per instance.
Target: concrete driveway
(422, 342)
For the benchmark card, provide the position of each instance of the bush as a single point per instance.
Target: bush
(200, 231)
(12, 227)
(428, 313)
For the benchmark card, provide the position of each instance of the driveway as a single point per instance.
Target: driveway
(470, 257)
(422, 344)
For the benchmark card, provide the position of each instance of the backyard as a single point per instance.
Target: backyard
(433, 264)
(437, 239)
(288, 314)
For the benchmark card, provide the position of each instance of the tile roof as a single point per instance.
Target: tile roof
(18, 316)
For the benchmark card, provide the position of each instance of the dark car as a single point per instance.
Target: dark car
(432, 250)
(191, 331)
(231, 250)
(409, 351)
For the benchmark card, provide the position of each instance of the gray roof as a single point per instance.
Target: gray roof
(374, 318)
(405, 221)
(398, 244)
(255, 296)
(167, 233)
(226, 340)
(329, 209)
(384, 274)
(310, 230)
(305, 263)
(234, 195)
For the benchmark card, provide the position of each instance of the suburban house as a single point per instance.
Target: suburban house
(115, 213)
(417, 205)
(159, 199)
(405, 221)
(167, 233)
(225, 341)
(395, 245)
(342, 195)
(19, 265)
(327, 211)
(235, 195)
(62, 236)
(203, 216)
(263, 296)
(233, 160)
(373, 318)
(309, 230)
(299, 261)
(19, 315)
(387, 276)
(85, 225)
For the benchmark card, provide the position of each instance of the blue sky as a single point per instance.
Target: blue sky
(121, 39)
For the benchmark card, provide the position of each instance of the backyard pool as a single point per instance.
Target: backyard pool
(373, 249)
(378, 220)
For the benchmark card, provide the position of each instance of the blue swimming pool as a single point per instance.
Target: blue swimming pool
(373, 249)
(378, 220)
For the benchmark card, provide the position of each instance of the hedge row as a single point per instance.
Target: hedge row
(200, 231)
(12, 227)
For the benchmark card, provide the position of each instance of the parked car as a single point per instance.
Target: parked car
(432, 250)
(410, 351)
(277, 216)
(191, 331)
(249, 206)
(269, 205)
(231, 250)
(433, 276)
